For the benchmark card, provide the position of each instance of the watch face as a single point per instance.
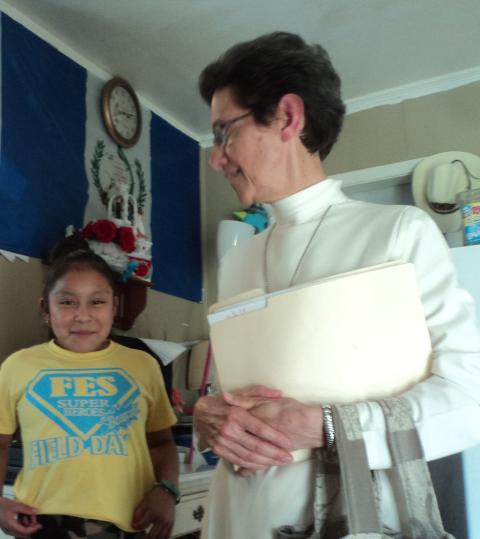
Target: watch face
(121, 112)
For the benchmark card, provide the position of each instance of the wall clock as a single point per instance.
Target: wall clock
(121, 112)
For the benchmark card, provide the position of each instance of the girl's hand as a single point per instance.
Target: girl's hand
(18, 519)
(155, 513)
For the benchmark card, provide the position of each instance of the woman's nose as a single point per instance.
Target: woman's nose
(217, 157)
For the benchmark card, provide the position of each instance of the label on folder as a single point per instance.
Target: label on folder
(238, 309)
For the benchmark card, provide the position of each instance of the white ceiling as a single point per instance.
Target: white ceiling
(160, 46)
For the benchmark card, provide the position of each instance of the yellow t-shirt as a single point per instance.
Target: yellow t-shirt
(83, 419)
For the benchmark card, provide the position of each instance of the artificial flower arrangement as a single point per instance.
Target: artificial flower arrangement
(121, 245)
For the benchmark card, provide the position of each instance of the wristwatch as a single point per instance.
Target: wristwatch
(328, 427)
(169, 487)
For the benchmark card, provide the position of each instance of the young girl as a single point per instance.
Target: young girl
(99, 456)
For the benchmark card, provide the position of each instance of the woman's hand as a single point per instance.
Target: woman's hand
(236, 435)
(155, 513)
(18, 519)
(301, 423)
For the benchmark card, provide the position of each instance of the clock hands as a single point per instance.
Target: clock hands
(125, 113)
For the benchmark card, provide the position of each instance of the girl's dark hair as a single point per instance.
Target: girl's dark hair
(261, 71)
(74, 253)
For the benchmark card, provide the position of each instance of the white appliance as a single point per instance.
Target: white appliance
(467, 262)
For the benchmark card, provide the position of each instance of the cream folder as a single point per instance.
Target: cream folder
(347, 338)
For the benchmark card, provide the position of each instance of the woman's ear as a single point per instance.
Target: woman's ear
(291, 110)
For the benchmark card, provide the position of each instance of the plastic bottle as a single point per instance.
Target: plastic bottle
(469, 203)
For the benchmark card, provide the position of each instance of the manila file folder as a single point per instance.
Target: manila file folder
(347, 338)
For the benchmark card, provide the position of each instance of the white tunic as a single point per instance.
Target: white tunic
(353, 235)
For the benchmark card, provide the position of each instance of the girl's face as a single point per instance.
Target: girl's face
(81, 309)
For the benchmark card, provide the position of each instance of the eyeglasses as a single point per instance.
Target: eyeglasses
(221, 129)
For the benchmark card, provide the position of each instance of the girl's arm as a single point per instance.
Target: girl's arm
(157, 509)
(164, 455)
(15, 518)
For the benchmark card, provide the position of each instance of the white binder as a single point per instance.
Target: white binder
(352, 337)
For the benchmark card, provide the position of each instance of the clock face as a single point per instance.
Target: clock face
(124, 112)
(121, 112)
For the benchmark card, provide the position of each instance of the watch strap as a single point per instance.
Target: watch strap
(170, 487)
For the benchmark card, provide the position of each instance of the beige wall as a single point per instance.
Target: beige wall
(170, 319)
(415, 128)
(20, 290)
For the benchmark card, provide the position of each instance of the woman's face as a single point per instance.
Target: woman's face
(249, 157)
(81, 309)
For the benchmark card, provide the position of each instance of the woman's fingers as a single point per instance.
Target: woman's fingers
(241, 425)
(251, 396)
(239, 442)
(234, 434)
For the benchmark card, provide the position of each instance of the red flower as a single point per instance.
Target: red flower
(104, 230)
(143, 269)
(88, 232)
(126, 239)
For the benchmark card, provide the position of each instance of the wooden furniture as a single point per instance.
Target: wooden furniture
(191, 509)
(131, 302)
